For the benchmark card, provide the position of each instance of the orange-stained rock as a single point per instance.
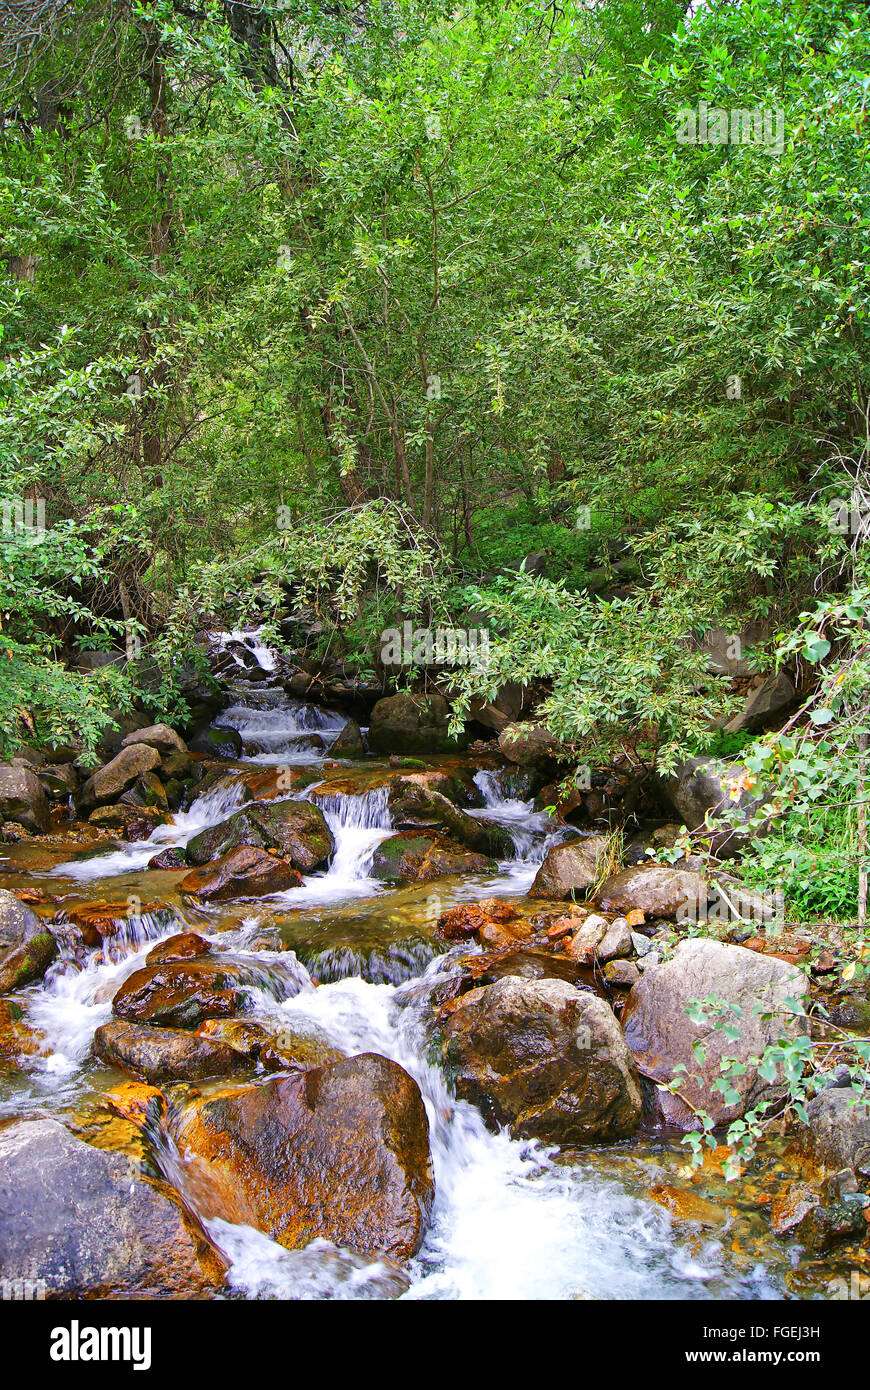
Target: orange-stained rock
(339, 1152)
(462, 922)
(97, 920)
(498, 910)
(164, 1054)
(244, 872)
(186, 945)
(17, 1038)
(685, 1205)
(498, 934)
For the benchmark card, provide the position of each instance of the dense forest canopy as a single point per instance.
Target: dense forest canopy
(353, 307)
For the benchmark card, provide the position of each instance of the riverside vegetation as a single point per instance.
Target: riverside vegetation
(434, 648)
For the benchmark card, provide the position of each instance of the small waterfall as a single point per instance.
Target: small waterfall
(263, 655)
(533, 832)
(211, 808)
(508, 1221)
(358, 824)
(276, 728)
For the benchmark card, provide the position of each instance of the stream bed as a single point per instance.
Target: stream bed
(511, 1219)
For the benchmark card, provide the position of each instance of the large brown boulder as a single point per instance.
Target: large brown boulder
(108, 782)
(22, 798)
(86, 1223)
(407, 723)
(339, 1152)
(296, 829)
(657, 890)
(163, 1054)
(243, 873)
(569, 868)
(545, 1059)
(661, 1034)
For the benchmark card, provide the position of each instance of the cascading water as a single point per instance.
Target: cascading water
(509, 1222)
(211, 808)
(533, 832)
(277, 729)
(511, 1219)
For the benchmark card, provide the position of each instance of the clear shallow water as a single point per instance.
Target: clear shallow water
(511, 1220)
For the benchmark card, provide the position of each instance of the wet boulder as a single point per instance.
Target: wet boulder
(27, 947)
(28, 962)
(218, 741)
(296, 829)
(569, 868)
(187, 945)
(400, 856)
(661, 1034)
(172, 858)
(349, 743)
(163, 1054)
(108, 782)
(83, 1222)
(444, 858)
(416, 804)
(408, 723)
(131, 822)
(181, 994)
(544, 1058)
(242, 873)
(22, 798)
(339, 1152)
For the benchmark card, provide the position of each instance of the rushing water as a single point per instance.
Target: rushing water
(511, 1219)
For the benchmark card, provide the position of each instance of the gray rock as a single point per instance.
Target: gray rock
(18, 922)
(22, 798)
(568, 868)
(87, 1224)
(660, 1033)
(700, 785)
(158, 736)
(110, 781)
(837, 1134)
